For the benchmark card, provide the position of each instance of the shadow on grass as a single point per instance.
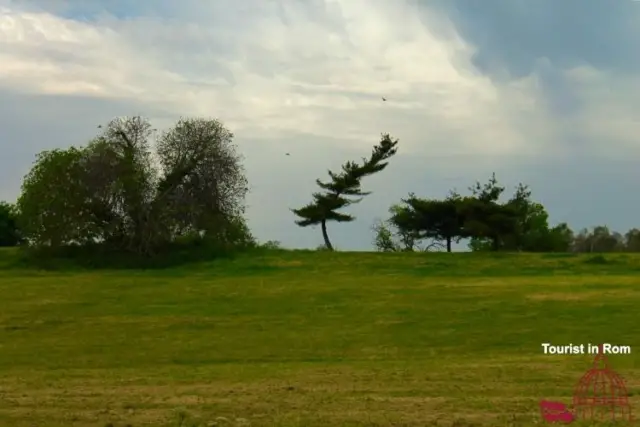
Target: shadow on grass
(99, 257)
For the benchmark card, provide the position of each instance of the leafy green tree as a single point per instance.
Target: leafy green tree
(561, 238)
(54, 203)
(112, 192)
(340, 191)
(486, 222)
(524, 224)
(10, 234)
(439, 220)
(532, 233)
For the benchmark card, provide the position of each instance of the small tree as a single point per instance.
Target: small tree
(343, 186)
(390, 237)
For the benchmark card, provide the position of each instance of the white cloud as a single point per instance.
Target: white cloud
(318, 68)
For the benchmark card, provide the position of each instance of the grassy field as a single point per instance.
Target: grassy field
(312, 339)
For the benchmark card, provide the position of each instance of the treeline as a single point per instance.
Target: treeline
(119, 196)
(489, 224)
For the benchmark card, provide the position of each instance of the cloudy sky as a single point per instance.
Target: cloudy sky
(541, 91)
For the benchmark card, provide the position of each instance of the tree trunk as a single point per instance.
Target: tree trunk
(325, 236)
(448, 244)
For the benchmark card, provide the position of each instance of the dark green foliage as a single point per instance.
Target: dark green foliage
(479, 217)
(525, 226)
(487, 220)
(439, 220)
(344, 189)
(632, 240)
(518, 224)
(10, 234)
(110, 194)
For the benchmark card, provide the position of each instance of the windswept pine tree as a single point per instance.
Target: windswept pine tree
(344, 189)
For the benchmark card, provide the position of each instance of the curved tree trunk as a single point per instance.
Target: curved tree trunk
(325, 236)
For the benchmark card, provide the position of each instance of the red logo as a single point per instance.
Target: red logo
(599, 395)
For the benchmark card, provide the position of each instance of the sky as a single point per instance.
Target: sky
(543, 92)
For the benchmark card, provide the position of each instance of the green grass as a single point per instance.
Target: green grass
(311, 339)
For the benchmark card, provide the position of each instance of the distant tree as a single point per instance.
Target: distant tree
(487, 222)
(598, 239)
(271, 245)
(581, 241)
(9, 231)
(525, 226)
(560, 238)
(343, 186)
(112, 192)
(383, 240)
(632, 240)
(533, 233)
(392, 236)
(439, 220)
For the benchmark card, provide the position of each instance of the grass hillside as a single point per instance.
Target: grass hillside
(311, 339)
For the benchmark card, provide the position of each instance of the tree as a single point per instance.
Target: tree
(343, 186)
(54, 203)
(599, 239)
(524, 225)
(632, 240)
(489, 192)
(486, 221)
(112, 192)
(9, 231)
(439, 220)
(532, 232)
(560, 238)
(204, 182)
(390, 237)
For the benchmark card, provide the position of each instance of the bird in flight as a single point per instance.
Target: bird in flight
(384, 99)
(287, 154)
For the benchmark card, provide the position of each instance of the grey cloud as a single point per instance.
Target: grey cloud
(516, 33)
